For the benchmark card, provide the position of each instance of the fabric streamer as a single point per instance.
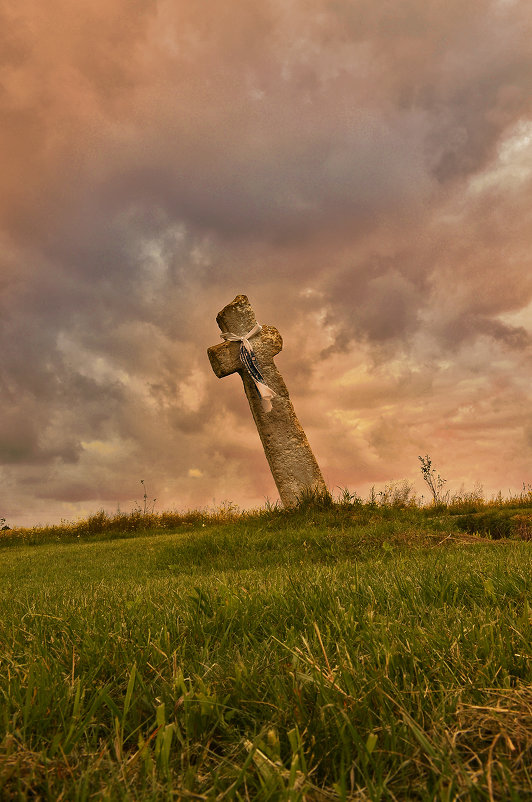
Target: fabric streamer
(249, 360)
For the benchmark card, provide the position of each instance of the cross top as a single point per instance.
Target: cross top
(248, 346)
(248, 350)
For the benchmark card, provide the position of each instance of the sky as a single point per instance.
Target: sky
(360, 169)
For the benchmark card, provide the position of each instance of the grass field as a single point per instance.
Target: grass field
(359, 651)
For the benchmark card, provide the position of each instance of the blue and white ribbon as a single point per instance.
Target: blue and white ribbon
(249, 361)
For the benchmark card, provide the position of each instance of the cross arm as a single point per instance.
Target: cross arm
(225, 357)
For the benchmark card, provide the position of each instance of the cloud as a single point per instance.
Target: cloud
(360, 170)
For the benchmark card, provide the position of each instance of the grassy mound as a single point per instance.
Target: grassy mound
(338, 651)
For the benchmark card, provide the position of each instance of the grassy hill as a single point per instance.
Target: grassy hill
(339, 651)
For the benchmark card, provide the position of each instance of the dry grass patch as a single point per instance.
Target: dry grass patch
(496, 741)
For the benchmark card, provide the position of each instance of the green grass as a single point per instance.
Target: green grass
(357, 652)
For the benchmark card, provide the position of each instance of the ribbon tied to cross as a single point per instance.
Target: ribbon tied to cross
(249, 361)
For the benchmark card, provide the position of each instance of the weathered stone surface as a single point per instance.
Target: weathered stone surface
(287, 450)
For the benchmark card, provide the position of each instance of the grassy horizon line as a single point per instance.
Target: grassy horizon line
(396, 498)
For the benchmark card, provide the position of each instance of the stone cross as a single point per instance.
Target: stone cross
(287, 450)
